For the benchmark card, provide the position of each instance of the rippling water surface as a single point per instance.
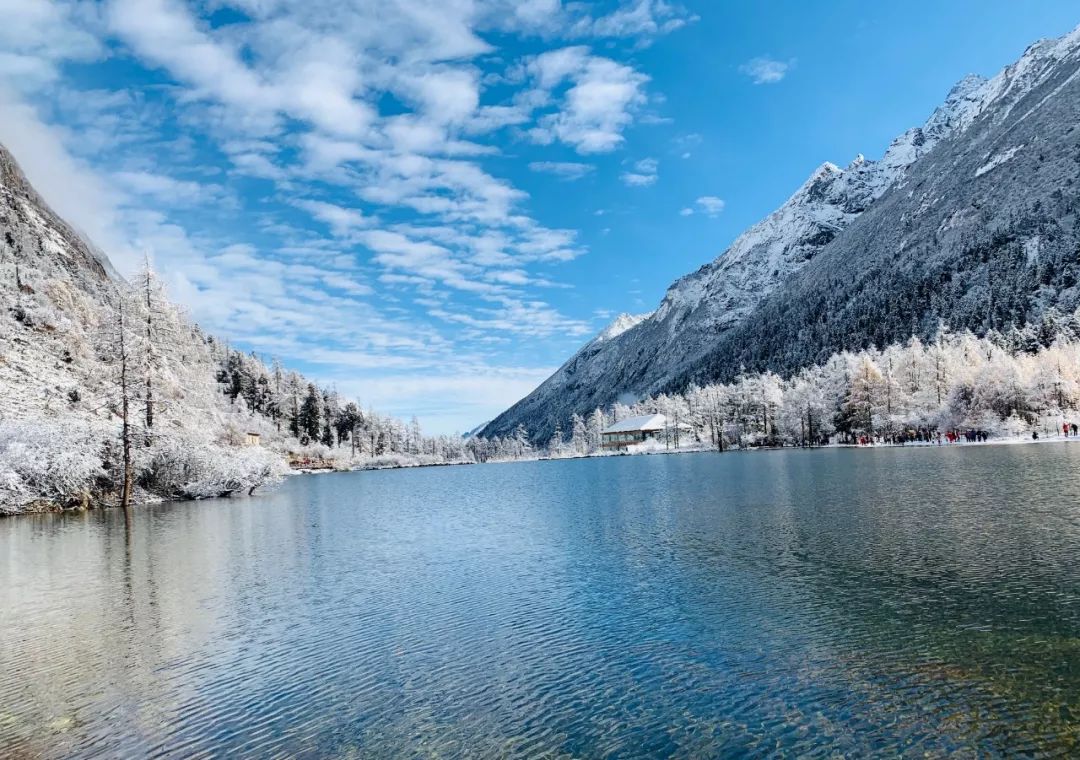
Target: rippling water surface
(777, 603)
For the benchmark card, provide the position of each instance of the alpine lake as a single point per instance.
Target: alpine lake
(887, 602)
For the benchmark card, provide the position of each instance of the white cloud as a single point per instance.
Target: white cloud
(73, 189)
(633, 179)
(341, 220)
(170, 191)
(765, 70)
(709, 205)
(166, 35)
(644, 18)
(293, 95)
(597, 106)
(641, 20)
(643, 174)
(564, 169)
(37, 36)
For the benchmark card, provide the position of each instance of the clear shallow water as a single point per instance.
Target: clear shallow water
(782, 603)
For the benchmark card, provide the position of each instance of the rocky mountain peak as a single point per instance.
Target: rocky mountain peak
(620, 324)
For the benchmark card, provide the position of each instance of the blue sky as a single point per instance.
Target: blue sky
(432, 203)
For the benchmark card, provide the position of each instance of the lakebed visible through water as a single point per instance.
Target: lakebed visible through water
(837, 601)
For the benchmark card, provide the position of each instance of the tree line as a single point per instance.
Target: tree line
(1012, 383)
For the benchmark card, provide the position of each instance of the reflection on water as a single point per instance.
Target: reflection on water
(821, 603)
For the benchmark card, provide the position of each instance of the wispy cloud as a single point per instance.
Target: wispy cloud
(565, 169)
(709, 205)
(644, 173)
(171, 191)
(766, 70)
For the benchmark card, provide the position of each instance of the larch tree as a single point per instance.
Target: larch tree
(155, 343)
(116, 351)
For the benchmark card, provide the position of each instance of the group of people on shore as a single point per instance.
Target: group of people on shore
(971, 436)
(911, 435)
(928, 435)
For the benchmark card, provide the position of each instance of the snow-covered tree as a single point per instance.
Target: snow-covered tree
(579, 435)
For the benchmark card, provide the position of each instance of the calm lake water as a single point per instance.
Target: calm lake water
(894, 601)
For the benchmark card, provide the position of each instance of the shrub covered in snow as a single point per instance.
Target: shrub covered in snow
(47, 462)
(185, 465)
(62, 465)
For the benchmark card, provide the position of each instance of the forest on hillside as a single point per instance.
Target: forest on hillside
(112, 395)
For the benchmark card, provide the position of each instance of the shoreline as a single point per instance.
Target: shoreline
(1013, 441)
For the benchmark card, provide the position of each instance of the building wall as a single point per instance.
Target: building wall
(622, 440)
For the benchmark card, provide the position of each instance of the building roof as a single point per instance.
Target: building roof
(635, 424)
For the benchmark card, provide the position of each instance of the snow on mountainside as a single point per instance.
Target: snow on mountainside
(619, 325)
(40, 237)
(982, 233)
(53, 282)
(701, 308)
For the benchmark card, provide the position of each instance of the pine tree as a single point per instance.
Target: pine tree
(308, 417)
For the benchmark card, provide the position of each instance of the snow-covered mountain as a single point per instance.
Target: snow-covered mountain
(53, 283)
(712, 321)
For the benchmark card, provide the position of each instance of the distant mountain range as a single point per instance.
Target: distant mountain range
(969, 220)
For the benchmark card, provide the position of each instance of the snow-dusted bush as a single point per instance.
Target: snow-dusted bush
(45, 461)
(185, 465)
(387, 461)
(311, 451)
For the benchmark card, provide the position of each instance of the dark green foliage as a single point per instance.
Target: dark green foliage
(309, 415)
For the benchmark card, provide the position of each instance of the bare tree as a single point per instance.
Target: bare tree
(123, 381)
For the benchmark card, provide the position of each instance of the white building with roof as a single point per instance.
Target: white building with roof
(633, 430)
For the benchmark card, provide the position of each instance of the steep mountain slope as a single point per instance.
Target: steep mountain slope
(982, 233)
(53, 284)
(40, 239)
(58, 329)
(727, 313)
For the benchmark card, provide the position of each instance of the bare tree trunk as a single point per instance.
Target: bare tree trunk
(149, 358)
(125, 434)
